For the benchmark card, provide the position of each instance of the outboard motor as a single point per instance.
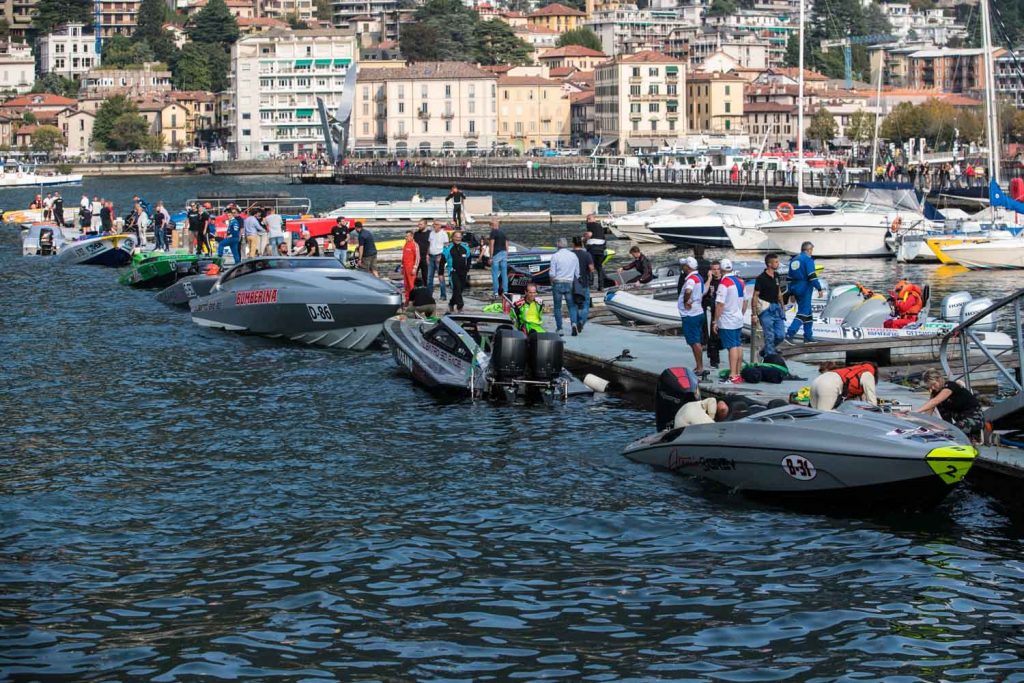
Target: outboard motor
(676, 386)
(508, 358)
(986, 324)
(872, 313)
(952, 304)
(545, 356)
(46, 242)
(844, 299)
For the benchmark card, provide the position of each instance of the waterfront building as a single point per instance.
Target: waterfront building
(260, 25)
(532, 112)
(951, 70)
(556, 17)
(1009, 77)
(147, 79)
(17, 67)
(575, 56)
(167, 121)
(426, 108)
(385, 13)
(276, 78)
(583, 132)
(68, 51)
(239, 9)
(302, 10)
(76, 127)
(715, 102)
(627, 29)
(539, 38)
(637, 101)
(772, 124)
(39, 104)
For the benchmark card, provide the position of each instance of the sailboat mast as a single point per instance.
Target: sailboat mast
(800, 110)
(878, 117)
(991, 120)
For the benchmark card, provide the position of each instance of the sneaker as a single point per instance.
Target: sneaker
(789, 341)
(735, 380)
(560, 333)
(812, 340)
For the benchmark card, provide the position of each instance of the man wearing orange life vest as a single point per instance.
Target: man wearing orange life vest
(853, 382)
(907, 302)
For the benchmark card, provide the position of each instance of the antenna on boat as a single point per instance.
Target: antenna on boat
(800, 111)
(991, 130)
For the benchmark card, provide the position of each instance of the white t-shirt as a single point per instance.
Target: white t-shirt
(695, 286)
(273, 223)
(438, 238)
(730, 293)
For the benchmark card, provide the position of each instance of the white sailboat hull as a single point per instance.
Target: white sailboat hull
(1000, 253)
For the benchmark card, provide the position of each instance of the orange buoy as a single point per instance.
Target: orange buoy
(785, 211)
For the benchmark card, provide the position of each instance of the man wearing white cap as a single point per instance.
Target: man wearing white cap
(691, 311)
(730, 308)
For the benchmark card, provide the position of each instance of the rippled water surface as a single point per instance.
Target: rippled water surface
(180, 504)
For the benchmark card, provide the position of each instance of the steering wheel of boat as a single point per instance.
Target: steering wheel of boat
(785, 211)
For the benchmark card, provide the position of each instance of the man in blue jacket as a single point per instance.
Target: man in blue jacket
(232, 237)
(803, 280)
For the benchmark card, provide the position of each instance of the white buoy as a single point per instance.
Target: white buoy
(596, 383)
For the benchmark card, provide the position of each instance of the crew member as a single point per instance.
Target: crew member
(907, 302)
(422, 237)
(58, 209)
(836, 384)
(366, 252)
(730, 309)
(457, 257)
(712, 342)
(803, 280)
(232, 237)
(640, 264)
(457, 198)
(410, 262)
(594, 238)
(421, 301)
(527, 311)
(339, 234)
(309, 244)
(692, 312)
(196, 226)
(767, 306)
(703, 412)
(955, 404)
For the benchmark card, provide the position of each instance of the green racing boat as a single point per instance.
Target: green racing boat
(156, 269)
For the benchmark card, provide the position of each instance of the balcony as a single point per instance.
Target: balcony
(448, 115)
(402, 135)
(422, 114)
(473, 134)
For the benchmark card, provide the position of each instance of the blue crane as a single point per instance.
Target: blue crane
(847, 44)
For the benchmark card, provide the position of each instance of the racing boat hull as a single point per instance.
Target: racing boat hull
(113, 251)
(186, 289)
(162, 270)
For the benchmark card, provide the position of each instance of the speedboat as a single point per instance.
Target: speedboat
(725, 227)
(448, 355)
(156, 269)
(984, 254)
(857, 455)
(314, 300)
(45, 239)
(23, 216)
(106, 250)
(635, 226)
(28, 177)
(858, 227)
(186, 289)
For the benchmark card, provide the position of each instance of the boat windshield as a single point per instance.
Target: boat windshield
(296, 263)
(879, 198)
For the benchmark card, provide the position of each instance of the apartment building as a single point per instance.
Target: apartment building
(17, 67)
(772, 124)
(583, 132)
(933, 25)
(239, 9)
(386, 12)
(18, 15)
(303, 10)
(151, 78)
(637, 101)
(951, 70)
(627, 29)
(575, 56)
(426, 108)
(69, 51)
(695, 45)
(715, 102)
(276, 78)
(76, 127)
(117, 17)
(532, 112)
(556, 17)
(1009, 77)
(773, 28)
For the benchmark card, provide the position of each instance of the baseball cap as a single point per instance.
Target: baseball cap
(688, 261)
(726, 265)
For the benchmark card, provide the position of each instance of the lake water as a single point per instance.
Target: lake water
(178, 504)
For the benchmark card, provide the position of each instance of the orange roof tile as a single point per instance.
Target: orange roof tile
(571, 51)
(43, 99)
(556, 10)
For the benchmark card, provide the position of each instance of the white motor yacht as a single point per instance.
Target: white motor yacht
(634, 226)
(727, 226)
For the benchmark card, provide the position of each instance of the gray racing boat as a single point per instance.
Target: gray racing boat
(310, 300)
(186, 289)
(858, 456)
(481, 355)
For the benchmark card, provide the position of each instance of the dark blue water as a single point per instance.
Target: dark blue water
(180, 504)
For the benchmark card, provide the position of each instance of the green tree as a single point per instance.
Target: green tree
(902, 123)
(823, 127)
(721, 8)
(108, 112)
(120, 51)
(192, 70)
(5, 29)
(861, 127)
(214, 24)
(50, 13)
(58, 85)
(497, 43)
(323, 10)
(220, 65)
(581, 36)
(29, 118)
(150, 20)
(128, 132)
(47, 139)
(419, 42)
(294, 23)
(447, 30)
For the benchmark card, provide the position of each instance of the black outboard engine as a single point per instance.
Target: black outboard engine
(545, 357)
(676, 386)
(508, 358)
(46, 242)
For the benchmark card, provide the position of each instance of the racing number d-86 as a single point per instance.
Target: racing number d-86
(320, 313)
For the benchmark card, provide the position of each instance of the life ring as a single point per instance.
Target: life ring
(897, 223)
(785, 211)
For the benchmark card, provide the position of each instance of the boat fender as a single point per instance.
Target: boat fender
(897, 223)
(785, 211)
(596, 383)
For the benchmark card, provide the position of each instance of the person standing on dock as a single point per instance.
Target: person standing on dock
(730, 309)
(410, 263)
(581, 286)
(274, 224)
(252, 228)
(160, 220)
(712, 279)
(435, 254)
(457, 197)
(232, 237)
(339, 235)
(422, 237)
(96, 209)
(498, 250)
(58, 209)
(803, 280)
(594, 238)
(107, 217)
(767, 306)
(565, 268)
(457, 259)
(692, 312)
(366, 252)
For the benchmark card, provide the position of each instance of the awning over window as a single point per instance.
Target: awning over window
(672, 70)
(673, 103)
(322, 62)
(303, 63)
(304, 113)
(342, 62)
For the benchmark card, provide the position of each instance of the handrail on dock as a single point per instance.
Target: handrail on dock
(967, 339)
